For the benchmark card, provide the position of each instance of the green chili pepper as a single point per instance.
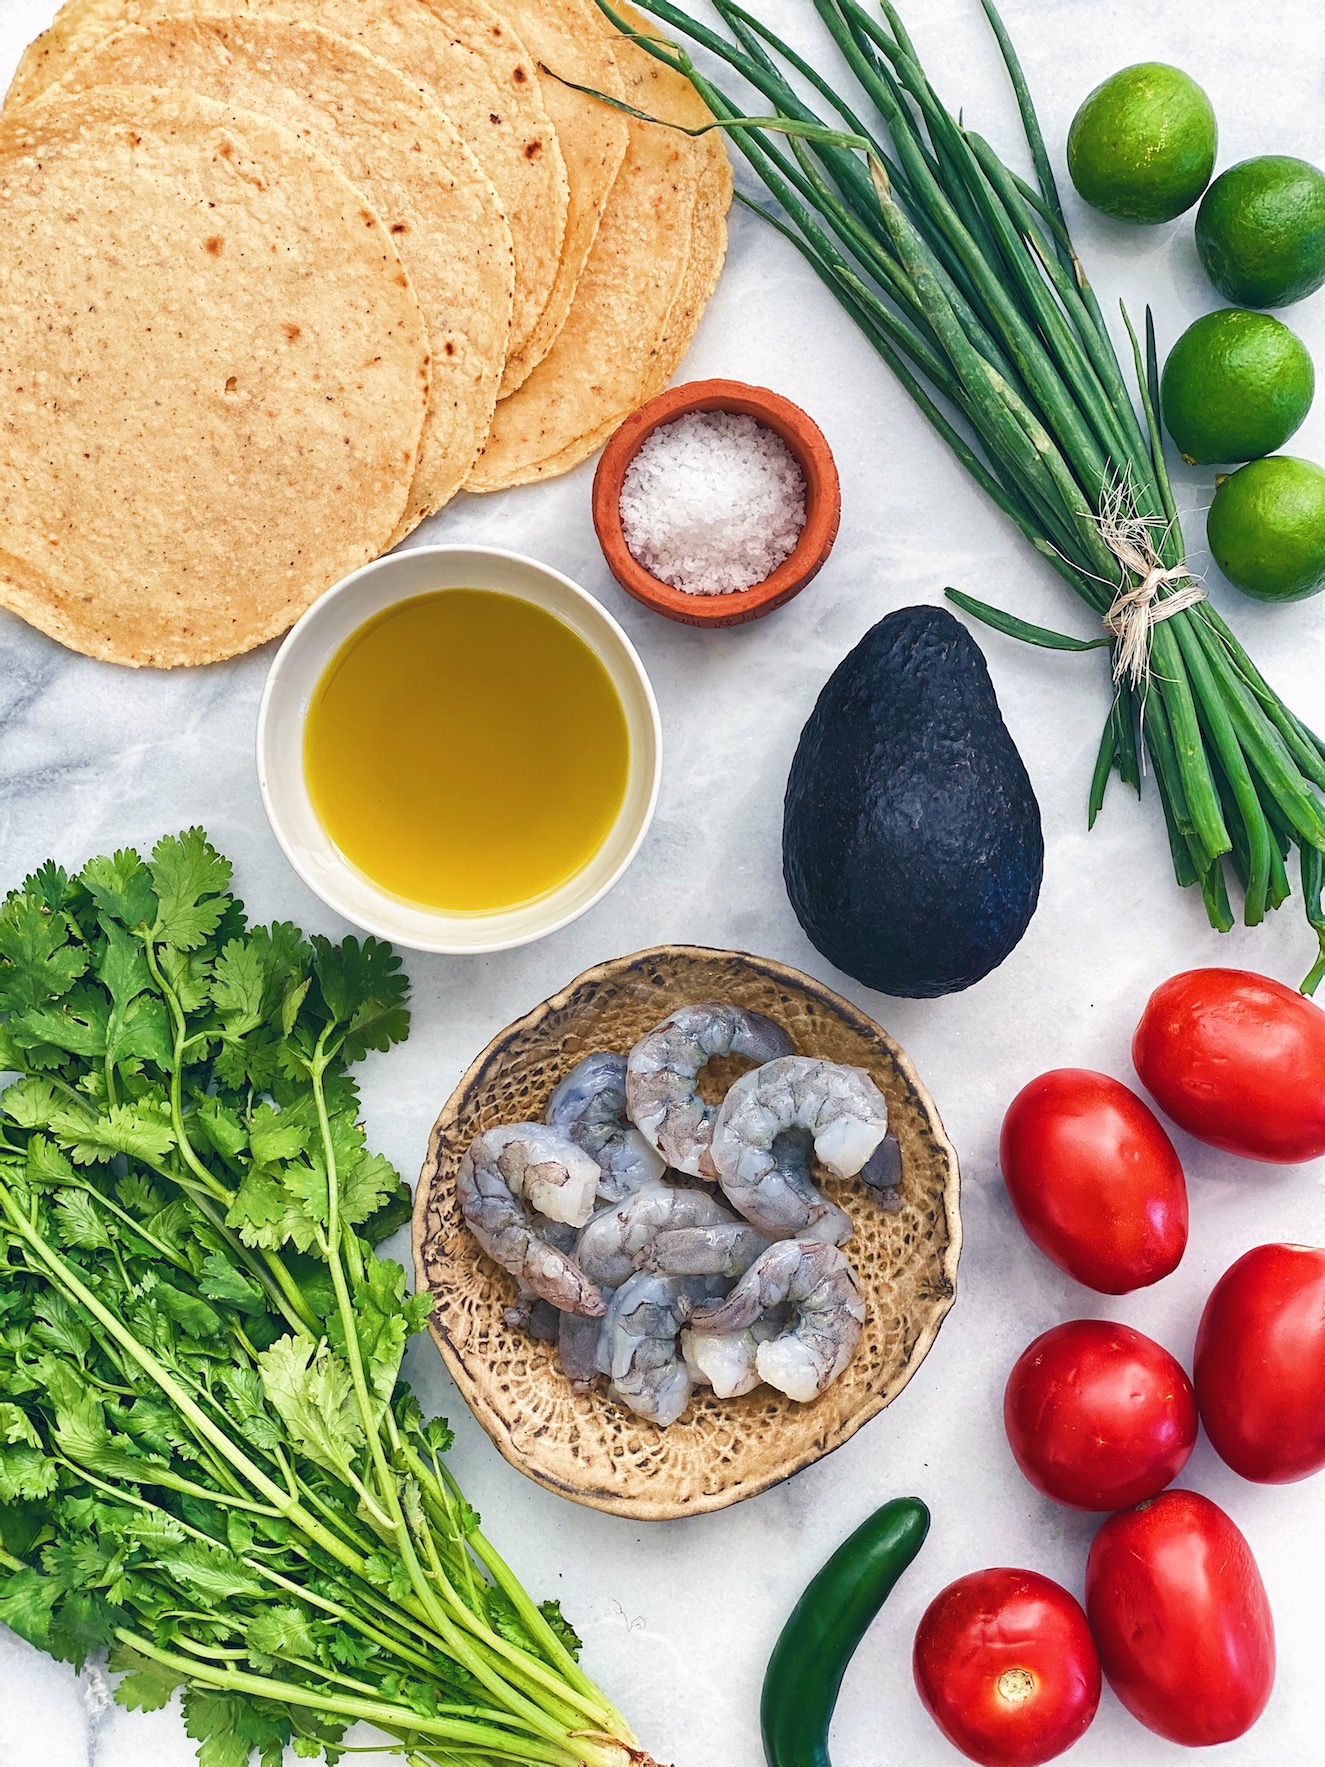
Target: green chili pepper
(810, 1657)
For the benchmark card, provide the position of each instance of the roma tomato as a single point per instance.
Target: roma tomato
(1179, 1613)
(1238, 1061)
(1260, 1364)
(1006, 1667)
(1098, 1415)
(1095, 1180)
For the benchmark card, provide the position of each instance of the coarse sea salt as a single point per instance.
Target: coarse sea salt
(713, 502)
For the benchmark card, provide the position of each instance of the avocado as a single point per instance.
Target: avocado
(911, 840)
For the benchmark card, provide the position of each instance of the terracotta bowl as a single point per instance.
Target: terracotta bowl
(823, 502)
(588, 1447)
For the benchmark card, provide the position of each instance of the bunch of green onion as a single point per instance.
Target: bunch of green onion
(963, 277)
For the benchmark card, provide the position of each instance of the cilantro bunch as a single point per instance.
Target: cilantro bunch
(209, 1465)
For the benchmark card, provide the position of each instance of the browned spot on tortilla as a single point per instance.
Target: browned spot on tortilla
(212, 246)
(533, 149)
(291, 330)
(520, 76)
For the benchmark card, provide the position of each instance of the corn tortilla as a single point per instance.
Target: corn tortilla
(708, 248)
(570, 38)
(393, 144)
(215, 376)
(639, 297)
(459, 51)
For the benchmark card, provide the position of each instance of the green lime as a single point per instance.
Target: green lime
(1266, 528)
(1236, 385)
(1260, 231)
(1142, 146)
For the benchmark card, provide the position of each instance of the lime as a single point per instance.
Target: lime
(1266, 528)
(1142, 146)
(1261, 231)
(1236, 385)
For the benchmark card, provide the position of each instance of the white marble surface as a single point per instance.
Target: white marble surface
(678, 1619)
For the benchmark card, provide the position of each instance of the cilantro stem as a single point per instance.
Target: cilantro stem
(392, 1718)
(211, 1184)
(397, 1646)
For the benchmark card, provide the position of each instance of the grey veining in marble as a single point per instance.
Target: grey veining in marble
(679, 1619)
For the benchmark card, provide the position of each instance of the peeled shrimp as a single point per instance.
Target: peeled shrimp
(618, 1240)
(501, 1172)
(638, 1348)
(728, 1361)
(827, 1306)
(727, 1249)
(663, 1067)
(760, 1161)
(589, 1105)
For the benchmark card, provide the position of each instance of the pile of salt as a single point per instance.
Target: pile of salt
(713, 502)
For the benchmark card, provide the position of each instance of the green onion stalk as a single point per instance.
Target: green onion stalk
(962, 275)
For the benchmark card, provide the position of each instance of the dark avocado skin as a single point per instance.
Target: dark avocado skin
(911, 840)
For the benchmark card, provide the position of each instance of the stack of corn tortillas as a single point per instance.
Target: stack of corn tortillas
(279, 277)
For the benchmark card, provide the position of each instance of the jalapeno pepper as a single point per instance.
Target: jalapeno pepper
(810, 1657)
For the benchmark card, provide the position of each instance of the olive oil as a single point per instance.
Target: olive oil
(466, 751)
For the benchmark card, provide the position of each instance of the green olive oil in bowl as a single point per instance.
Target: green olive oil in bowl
(466, 751)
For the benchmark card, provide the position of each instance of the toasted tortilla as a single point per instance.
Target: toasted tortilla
(459, 51)
(572, 39)
(215, 376)
(395, 145)
(655, 260)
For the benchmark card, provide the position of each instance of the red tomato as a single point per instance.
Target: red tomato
(1098, 1415)
(1179, 1613)
(1260, 1364)
(1239, 1061)
(1094, 1180)
(1006, 1667)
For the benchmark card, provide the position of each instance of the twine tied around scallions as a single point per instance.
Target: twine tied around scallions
(961, 274)
(1150, 590)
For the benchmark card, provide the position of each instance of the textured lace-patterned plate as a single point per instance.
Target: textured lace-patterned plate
(589, 1448)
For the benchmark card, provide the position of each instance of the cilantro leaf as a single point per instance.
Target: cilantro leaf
(311, 1390)
(121, 888)
(239, 983)
(223, 1281)
(146, 1686)
(37, 960)
(26, 1600)
(189, 876)
(363, 989)
(142, 1130)
(50, 885)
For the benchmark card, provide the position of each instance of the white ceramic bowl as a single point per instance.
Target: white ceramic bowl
(296, 671)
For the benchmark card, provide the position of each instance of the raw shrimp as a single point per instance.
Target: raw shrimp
(727, 1361)
(617, 1241)
(577, 1347)
(727, 1249)
(663, 1068)
(827, 1306)
(638, 1348)
(759, 1163)
(504, 1169)
(589, 1105)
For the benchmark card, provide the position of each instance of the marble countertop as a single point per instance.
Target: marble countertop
(678, 1619)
